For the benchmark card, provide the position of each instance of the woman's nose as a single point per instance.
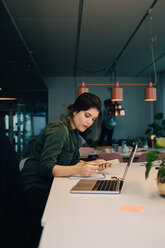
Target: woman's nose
(89, 121)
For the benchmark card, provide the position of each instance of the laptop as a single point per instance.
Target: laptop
(112, 186)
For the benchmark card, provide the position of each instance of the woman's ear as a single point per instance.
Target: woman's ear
(74, 113)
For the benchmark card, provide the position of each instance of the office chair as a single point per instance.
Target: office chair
(22, 163)
(11, 197)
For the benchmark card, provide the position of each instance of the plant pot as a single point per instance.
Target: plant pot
(161, 181)
(161, 188)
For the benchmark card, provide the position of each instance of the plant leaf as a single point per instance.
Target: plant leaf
(152, 124)
(148, 131)
(158, 116)
(148, 168)
(152, 156)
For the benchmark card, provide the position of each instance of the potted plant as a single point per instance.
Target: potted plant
(150, 158)
(157, 127)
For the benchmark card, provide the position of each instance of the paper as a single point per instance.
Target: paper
(132, 208)
(95, 176)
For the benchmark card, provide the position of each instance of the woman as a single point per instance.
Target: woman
(56, 154)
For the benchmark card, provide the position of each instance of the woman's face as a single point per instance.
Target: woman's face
(84, 119)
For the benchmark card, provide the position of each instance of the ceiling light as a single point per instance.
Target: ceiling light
(82, 89)
(8, 99)
(7, 96)
(117, 93)
(150, 93)
(116, 109)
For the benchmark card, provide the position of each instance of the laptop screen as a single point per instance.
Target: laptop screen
(130, 160)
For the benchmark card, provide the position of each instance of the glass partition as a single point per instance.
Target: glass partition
(23, 120)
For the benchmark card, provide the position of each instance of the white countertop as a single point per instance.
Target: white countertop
(83, 220)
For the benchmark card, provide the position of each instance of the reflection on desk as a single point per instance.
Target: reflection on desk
(89, 221)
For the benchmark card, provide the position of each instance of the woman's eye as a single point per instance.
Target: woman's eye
(86, 115)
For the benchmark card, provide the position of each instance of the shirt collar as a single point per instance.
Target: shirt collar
(66, 121)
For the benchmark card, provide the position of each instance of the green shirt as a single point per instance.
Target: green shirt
(56, 144)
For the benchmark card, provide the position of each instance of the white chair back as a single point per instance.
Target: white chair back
(21, 164)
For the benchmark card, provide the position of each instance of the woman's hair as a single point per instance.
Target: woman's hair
(84, 102)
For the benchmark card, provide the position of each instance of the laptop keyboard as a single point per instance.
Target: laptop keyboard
(106, 185)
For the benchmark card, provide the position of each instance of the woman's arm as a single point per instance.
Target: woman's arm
(81, 168)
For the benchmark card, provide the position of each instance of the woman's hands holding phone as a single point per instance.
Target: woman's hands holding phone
(101, 163)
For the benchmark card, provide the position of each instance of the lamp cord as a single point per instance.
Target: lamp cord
(80, 13)
(153, 41)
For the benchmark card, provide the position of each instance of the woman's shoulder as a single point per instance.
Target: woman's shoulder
(56, 126)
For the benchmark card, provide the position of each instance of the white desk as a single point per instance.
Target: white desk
(94, 221)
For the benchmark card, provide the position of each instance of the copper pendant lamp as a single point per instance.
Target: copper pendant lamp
(82, 89)
(150, 93)
(117, 93)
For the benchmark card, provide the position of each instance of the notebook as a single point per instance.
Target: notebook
(112, 186)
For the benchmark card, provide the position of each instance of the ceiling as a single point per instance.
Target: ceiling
(61, 38)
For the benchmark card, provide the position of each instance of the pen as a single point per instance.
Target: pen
(118, 178)
(114, 177)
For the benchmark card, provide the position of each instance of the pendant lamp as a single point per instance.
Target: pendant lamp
(150, 93)
(117, 93)
(116, 109)
(119, 109)
(82, 89)
(7, 95)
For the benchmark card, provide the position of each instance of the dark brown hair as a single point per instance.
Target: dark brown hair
(84, 102)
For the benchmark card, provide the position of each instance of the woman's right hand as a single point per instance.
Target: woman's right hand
(87, 169)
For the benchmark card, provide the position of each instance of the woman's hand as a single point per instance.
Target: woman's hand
(87, 169)
(82, 168)
(103, 164)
